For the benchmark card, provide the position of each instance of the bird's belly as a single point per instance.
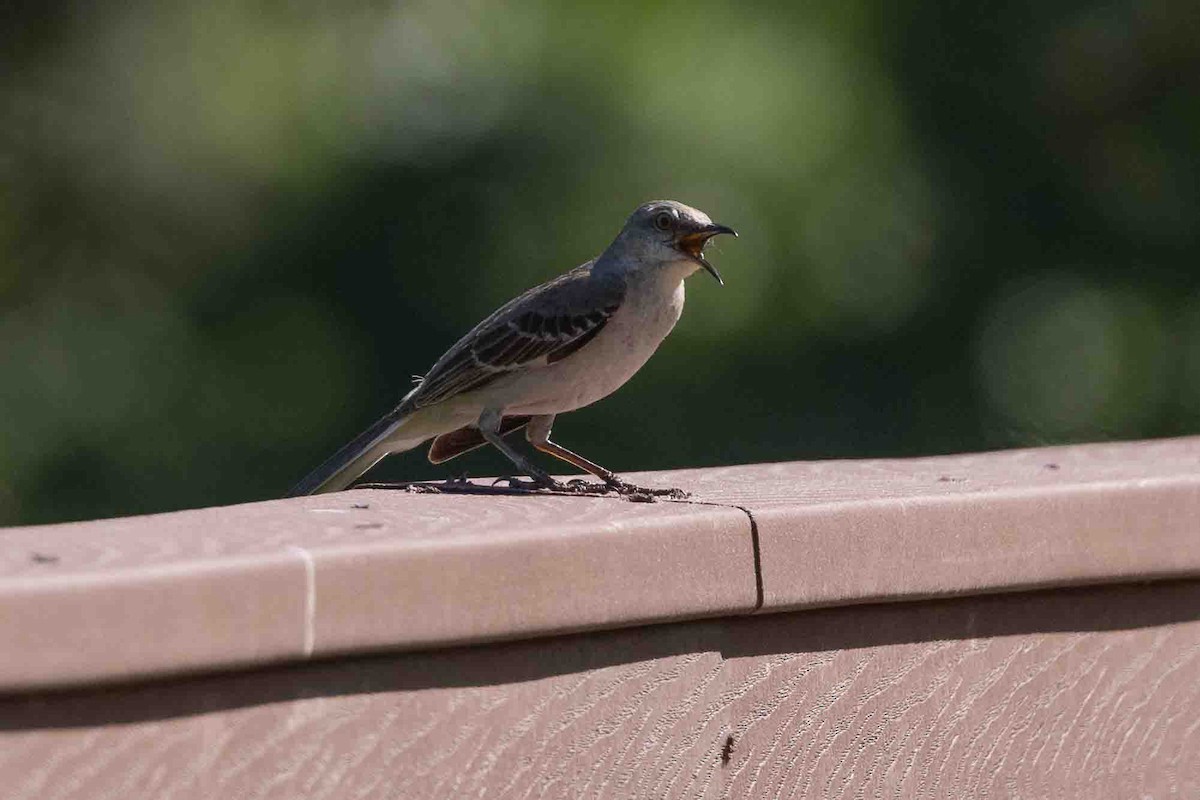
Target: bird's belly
(602, 366)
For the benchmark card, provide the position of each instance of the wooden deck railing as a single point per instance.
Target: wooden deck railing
(747, 642)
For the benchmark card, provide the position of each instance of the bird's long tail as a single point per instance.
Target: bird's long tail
(359, 455)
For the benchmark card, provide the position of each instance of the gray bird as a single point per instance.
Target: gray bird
(558, 347)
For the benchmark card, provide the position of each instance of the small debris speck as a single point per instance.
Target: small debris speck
(1052, 466)
(362, 526)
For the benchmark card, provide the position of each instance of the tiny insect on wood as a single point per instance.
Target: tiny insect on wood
(727, 750)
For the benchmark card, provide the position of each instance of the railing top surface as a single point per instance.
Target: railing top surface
(371, 569)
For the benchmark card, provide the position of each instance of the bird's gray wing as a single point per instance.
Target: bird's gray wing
(544, 325)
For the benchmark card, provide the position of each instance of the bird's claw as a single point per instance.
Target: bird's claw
(515, 483)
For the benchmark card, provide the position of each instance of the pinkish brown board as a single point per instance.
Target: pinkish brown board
(288, 580)
(1085, 693)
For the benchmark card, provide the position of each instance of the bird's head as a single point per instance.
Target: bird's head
(667, 232)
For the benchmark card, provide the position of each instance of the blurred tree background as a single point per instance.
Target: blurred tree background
(231, 231)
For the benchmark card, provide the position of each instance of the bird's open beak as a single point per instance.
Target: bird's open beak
(693, 244)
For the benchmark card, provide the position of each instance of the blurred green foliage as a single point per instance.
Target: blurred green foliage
(230, 231)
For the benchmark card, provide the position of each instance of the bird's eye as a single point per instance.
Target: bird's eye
(663, 220)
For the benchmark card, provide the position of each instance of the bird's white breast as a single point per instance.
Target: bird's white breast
(652, 305)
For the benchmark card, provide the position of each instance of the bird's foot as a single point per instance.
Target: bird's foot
(534, 483)
(642, 494)
(513, 482)
(579, 486)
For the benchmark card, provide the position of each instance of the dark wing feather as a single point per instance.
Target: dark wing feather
(544, 325)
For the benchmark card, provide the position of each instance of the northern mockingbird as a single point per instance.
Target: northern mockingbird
(558, 347)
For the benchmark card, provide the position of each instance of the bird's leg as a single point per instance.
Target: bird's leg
(538, 434)
(489, 427)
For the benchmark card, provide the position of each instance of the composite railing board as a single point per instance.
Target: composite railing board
(258, 650)
(1085, 693)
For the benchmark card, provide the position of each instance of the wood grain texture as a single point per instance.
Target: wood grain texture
(1088, 693)
(1083, 706)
